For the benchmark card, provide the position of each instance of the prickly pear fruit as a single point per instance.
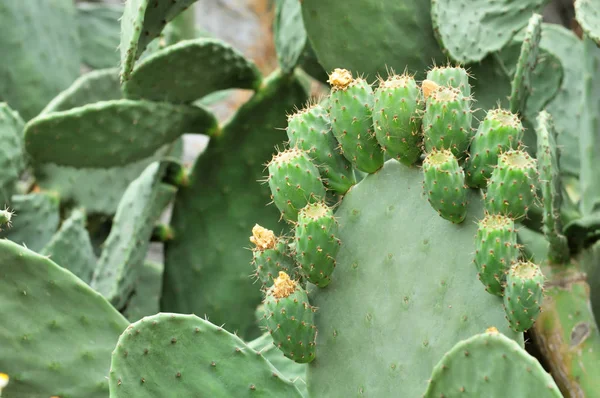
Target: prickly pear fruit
(294, 181)
(523, 295)
(500, 131)
(496, 250)
(269, 256)
(447, 120)
(351, 102)
(456, 77)
(317, 244)
(511, 187)
(290, 319)
(397, 118)
(444, 183)
(5, 217)
(310, 130)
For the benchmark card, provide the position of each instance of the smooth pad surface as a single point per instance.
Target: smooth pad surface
(12, 162)
(587, 13)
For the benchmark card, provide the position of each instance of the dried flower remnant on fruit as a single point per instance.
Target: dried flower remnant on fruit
(340, 78)
(3, 381)
(428, 87)
(283, 286)
(263, 238)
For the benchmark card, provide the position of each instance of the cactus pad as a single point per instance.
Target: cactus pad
(490, 365)
(12, 162)
(99, 32)
(496, 250)
(523, 295)
(310, 129)
(484, 26)
(183, 355)
(351, 102)
(294, 181)
(190, 70)
(290, 319)
(587, 13)
(444, 184)
(511, 188)
(71, 247)
(396, 117)
(146, 299)
(61, 333)
(426, 282)
(35, 220)
(121, 131)
(289, 32)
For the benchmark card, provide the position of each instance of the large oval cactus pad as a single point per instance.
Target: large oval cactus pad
(404, 291)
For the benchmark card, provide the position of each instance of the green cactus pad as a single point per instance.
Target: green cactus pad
(61, 333)
(523, 295)
(143, 21)
(293, 371)
(270, 256)
(447, 121)
(512, 187)
(12, 154)
(121, 131)
(426, 282)
(310, 129)
(484, 26)
(351, 102)
(71, 247)
(290, 319)
(496, 250)
(35, 219)
(551, 186)
(146, 299)
(183, 355)
(589, 137)
(453, 76)
(289, 32)
(500, 131)
(341, 34)
(94, 86)
(41, 38)
(317, 244)
(490, 365)
(587, 13)
(217, 282)
(294, 181)
(189, 70)
(397, 118)
(521, 83)
(99, 32)
(444, 185)
(125, 248)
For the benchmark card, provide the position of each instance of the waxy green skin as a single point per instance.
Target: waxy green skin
(447, 121)
(310, 130)
(523, 296)
(269, 262)
(397, 120)
(294, 181)
(456, 77)
(444, 184)
(499, 132)
(352, 125)
(496, 250)
(511, 188)
(317, 244)
(290, 321)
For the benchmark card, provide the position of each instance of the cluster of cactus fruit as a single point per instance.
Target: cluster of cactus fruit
(411, 231)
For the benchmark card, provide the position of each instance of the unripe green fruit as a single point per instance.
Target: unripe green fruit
(351, 102)
(290, 319)
(5, 218)
(499, 132)
(456, 77)
(310, 130)
(496, 250)
(294, 181)
(444, 183)
(523, 295)
(317, 244)
(396, 114)
(447, 121)
(512, 185)
(269, 256)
